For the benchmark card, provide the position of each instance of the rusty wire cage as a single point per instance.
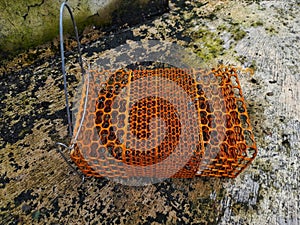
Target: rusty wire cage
(160, 122)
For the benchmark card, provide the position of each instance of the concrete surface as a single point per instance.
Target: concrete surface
(25, 24)
(37, 187)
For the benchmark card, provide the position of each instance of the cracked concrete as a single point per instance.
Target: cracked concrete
(32, 6)
(25, 24)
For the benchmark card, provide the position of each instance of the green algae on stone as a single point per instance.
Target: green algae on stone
(238, 34)
(207, 45)
(37, 21)
(34, 23)
(257, 23)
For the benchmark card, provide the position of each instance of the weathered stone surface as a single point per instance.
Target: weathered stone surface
(38, 187)
(25, 24)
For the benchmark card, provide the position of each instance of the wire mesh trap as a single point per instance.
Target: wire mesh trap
(161, 122)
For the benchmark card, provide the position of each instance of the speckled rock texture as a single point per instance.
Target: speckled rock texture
(38, 187)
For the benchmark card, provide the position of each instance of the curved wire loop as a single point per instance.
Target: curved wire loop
(70, 126)
(63, 6)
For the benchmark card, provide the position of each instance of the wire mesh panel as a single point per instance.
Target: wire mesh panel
(160, 121)
(166, 122)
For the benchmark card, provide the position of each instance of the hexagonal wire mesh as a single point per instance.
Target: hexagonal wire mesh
(162, 122)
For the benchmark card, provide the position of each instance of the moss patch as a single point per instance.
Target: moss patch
(37, 21)
(34, 23)
(208, 45)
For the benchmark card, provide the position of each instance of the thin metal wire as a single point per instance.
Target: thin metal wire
(85, 105)
(63, 5)
(70, 127)
(66, 160)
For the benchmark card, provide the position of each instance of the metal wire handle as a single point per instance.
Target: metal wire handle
(61, 31)
(62, 7)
